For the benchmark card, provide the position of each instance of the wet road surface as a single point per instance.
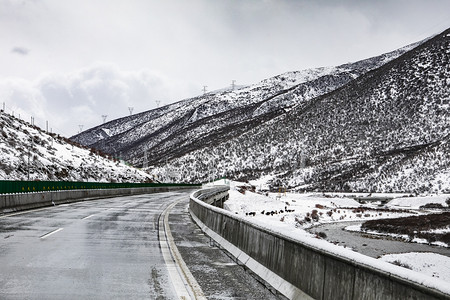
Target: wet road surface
(102, 249)
(109, 249)
(372, 245)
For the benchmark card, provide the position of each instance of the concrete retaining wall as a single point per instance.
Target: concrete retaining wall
(16, 202)
(314, 272)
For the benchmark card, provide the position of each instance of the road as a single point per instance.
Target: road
(106, 249)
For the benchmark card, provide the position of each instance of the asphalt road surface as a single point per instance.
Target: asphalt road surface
(109, 249)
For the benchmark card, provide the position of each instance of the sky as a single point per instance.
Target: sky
(70, 62)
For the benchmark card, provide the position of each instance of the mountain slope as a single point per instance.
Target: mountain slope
(176, 130)
(29, 153)
(387, 130)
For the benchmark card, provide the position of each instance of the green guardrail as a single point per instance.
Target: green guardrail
(13, 187)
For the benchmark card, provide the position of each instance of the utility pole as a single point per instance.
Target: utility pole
(29, 154)
(81, 128)
(28, 169)
(104, 118)
(204, 89)
(131, 110)
(233, 84)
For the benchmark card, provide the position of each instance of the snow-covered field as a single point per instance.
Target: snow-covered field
(292, 214)
(430, 264)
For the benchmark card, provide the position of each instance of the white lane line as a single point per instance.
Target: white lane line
(50, 233)
(90, 216)
(184, 282)
(224, 264)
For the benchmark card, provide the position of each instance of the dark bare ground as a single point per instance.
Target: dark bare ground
(414, 226)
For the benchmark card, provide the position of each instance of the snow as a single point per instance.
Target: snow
(430, 264)
(25, 147)
(263, 182)
(416, 202)
(337, 207)
(292, 225)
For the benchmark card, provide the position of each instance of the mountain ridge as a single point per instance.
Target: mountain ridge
(359, 127)
(29, 153)
(260, 102)
(314, 145)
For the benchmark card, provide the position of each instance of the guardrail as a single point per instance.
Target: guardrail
(12, 187)
(296, 269)
(21, 195)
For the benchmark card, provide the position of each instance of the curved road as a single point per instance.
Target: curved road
(107, 249)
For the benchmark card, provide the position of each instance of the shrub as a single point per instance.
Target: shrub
(432, 205)
(399, 263)
(314, 215)
(322, 235)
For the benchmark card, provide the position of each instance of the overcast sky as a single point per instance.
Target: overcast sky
(72, 61)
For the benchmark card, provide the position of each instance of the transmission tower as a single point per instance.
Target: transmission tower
(81, 128)
(104, 118)
(233, 84)
(157, 103)
(131, 110)
(204, 89)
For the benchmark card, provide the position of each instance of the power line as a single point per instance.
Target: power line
(24, 115)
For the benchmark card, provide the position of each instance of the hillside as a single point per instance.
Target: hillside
(386, 131)
(27, 152)
(178, 129)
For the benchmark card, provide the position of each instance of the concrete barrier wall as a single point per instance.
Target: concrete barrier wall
(16, 202)
(317, 273)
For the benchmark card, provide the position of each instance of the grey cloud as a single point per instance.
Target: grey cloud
(193, 43)
(20, 50)
(83, 96)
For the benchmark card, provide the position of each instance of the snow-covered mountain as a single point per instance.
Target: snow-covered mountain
(381, 124)
(27, 152)
(178, 129)
(387, 130)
